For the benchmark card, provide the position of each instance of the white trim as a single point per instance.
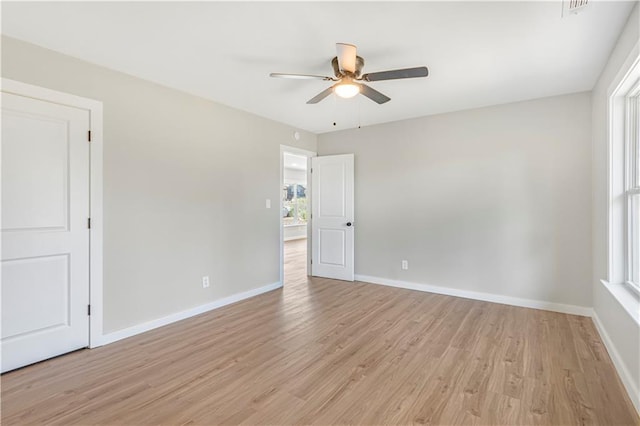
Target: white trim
(616, 211)
(96, 232)
(626, 296)
(308, 154)
(476, 295)
(632, 287)
(298, 151)
(179, 316)
(95, 197)
(621, 368)
(624, 70)
(36, 92)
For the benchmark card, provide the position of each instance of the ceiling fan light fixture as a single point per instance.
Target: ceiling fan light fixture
(347, 70)
(347, 90)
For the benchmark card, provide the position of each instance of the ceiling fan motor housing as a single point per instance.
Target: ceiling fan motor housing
(339, 74)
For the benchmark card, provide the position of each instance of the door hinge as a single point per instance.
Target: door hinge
(312, 170)
(89, 310)
(88, 223)
(89, 135)
(312, 261)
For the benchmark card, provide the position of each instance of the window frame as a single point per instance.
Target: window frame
(624, 85)
(632, 184)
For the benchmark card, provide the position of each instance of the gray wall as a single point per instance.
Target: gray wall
(623, 331)
(185, 183)
(494, 200)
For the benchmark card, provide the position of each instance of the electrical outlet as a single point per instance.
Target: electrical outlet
(405, 264)
(268, 203)
(205, 282)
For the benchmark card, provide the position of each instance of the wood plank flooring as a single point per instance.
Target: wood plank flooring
(328, 352)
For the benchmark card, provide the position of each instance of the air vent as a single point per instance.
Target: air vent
(573, 7)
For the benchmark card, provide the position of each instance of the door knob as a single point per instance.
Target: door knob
(348, 223)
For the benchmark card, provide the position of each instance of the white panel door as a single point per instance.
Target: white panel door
(45, 238)
(332, 217)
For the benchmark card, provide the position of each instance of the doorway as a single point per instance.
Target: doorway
(295, 216)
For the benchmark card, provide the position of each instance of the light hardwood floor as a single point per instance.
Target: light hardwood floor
(329, 352)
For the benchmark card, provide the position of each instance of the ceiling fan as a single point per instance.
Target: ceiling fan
(347, 68)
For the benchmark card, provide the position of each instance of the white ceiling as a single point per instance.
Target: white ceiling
(478, 53)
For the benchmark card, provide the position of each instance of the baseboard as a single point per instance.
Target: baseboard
(178, 316)
(487, 297)
(623, 372)
(295, 237)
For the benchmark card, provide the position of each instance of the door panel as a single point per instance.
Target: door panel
(331, 185)
(41, 283)
(37, 161)
(332, 220)
(332, 247)
(45, 240)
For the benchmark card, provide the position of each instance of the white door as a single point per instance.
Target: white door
(45, 237)
(332, 217)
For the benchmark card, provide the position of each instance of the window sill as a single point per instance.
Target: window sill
(626, 297)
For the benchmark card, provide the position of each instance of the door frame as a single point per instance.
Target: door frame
(95, 190)
(308, 154)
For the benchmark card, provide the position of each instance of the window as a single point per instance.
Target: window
(294, 206)
(623, 130)
(632, 186)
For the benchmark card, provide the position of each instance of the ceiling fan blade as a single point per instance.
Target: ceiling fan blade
(320, 96)
(346, 57)
(373, 94)
(300, 76)
(396, 74)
